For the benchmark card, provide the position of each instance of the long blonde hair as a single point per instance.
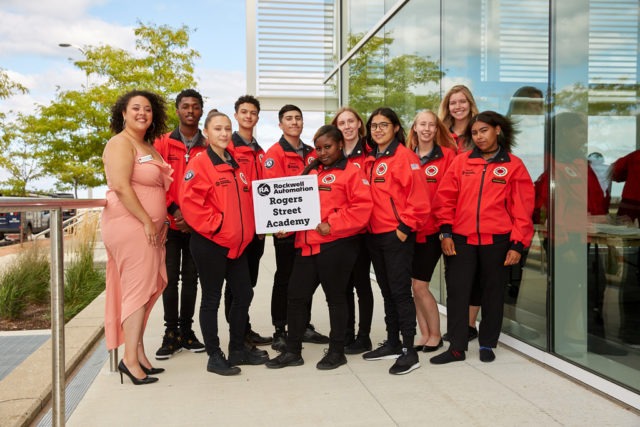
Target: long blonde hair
(444, 113)
(443, 136)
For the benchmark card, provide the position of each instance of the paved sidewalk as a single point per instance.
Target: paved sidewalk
(510, 391)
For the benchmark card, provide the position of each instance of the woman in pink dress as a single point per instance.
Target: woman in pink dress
(133, 227)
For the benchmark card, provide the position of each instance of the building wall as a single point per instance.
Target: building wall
(567, 73)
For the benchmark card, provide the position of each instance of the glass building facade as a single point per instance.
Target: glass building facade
(567, 73)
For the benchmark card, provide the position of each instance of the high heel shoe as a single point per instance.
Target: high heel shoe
(151, 370)
(137, 381)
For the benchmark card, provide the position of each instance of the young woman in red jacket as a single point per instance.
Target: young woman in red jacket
(216, 202)
(401, 205)
(484, 207)
(326, 255)
(356, 150)
(434, 145)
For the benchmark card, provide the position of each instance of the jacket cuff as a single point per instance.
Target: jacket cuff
(404, 228)
(517, 246)
(173, 207)
(446, 228)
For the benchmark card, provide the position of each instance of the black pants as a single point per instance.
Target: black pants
(214, 268)
(254, 252)
(361, 282)
(391, 261)
(331, 268)
(179, 309)
(483, 264)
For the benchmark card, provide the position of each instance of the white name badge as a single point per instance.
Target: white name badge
(286, 204)
(145, 159)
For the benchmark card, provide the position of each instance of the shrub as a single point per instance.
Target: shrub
(12, 301)
(24, 281)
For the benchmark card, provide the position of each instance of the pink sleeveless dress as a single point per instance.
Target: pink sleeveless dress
(136, 272)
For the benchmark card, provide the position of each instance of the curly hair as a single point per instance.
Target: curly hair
(246, 99)
(158, 110)
(189, 93)
(443, 137)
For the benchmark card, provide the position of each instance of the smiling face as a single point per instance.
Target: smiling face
(328, 150)
(485, 136)
(138, 115)
(291, 125)
(349, 125)
(218, 133)
(459, 107)
(247, 116)
(382, 131)
(189, 111)
(426, 127)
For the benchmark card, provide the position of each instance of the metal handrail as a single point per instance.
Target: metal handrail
(55, 207)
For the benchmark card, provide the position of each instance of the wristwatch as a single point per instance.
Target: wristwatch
(445, 236)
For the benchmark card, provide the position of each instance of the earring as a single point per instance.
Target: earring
(124, 123)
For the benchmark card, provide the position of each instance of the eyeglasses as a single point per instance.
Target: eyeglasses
(381, 125)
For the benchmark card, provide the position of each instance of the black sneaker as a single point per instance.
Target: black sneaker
(285, 359)
(255, 338)
(360, 345)
(448, 357)
(170, 345)
(487, 355)
(255, 350)
(313, 336)
(279, 343)
(246, 357)
(190, 342)
(331, 360)
(407, 362)
(473, 334)
(384, 351)
(218, 364)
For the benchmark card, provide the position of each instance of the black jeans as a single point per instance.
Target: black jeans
(214, 268)
(179, 309)
(475, 265)
(331, 268)
(361, 282)
(391, 261)
(254, 252)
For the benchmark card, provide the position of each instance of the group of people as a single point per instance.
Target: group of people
(392, 199)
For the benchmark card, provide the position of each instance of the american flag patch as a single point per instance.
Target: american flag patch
(415, 166)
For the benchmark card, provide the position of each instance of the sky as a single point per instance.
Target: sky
(32, 30)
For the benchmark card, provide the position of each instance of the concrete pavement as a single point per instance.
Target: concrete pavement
(513, 390)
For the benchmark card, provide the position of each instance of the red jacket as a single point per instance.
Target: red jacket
(359, 154)
(627, 169)
(480, 199)
(433, 167)
(282, 160)
(250, 161)
(216, 202)
(345, 204)
(400, 197)
(174, 152)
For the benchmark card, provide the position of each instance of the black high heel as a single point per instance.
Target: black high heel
(137, 381)
(151, 370)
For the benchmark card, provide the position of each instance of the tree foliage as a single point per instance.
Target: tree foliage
(74, 127)
(8, 87)
(377, 78)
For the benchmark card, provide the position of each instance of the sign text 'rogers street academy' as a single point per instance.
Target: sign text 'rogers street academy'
(286, 204)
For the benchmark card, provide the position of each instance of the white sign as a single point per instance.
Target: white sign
(286, 204)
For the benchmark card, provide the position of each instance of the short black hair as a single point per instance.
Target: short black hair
(285, 109)
(246, 99)
(189, 93)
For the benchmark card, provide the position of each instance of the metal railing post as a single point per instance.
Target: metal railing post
(57, 319)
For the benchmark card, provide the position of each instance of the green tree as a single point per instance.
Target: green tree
(75, 125)
(8, 87)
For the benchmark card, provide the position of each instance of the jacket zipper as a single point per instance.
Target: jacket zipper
(395, 211)
(484, 170)
(235, 180)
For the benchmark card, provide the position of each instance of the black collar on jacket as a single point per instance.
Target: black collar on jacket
(239, 141)
(340, 164)
(501, 156)
(435, 154)
(390, 151)
(358, 149)
(216, 160)
(286, 146)
(200, 142)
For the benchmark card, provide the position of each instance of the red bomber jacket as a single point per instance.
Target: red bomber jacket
(249, 160)
(480, 199)
(359, 154)
(400, 195)
(282, 160)
(216, 202)
(433, 167)
(345, 204)
(174, 152)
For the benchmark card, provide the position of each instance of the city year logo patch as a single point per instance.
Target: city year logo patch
(500, 171)
(431, 170)
(328, 179)
(243, 178)
(381, 169)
